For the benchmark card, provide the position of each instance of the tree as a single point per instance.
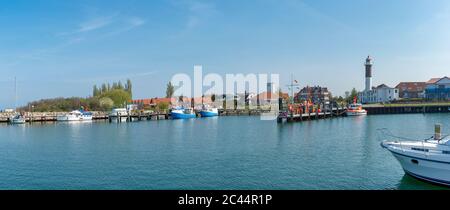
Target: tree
(351, 95)
(95, 91)
(119, 97)
(104, 88)
(170, 90)
(213, 97)
(129, 87)
(162, 106)
(120, 86)
(106, 103)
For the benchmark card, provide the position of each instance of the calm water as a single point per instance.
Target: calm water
(214, 153)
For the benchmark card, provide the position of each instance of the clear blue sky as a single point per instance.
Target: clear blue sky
(62, 48)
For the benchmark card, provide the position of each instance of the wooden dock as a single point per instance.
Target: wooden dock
(291, 117)
(103, 116)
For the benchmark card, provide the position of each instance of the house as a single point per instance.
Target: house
(438, 89)
(409, 90)
(151, 102)
(380, 94)
(315, 94)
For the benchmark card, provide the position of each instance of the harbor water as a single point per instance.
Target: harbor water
(210, 153)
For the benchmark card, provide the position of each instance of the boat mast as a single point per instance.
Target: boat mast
(15, 94)
(291, 87)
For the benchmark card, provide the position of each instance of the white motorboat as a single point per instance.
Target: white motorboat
(427, 160)
(75, 115)
(120, 113)
(355, 109)
(17, 119)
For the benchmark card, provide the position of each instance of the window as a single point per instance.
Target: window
(446, 152)
(420, 149)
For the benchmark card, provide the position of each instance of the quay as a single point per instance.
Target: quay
(407, 108)
(98, 116)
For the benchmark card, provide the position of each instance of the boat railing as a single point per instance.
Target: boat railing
(386, 134)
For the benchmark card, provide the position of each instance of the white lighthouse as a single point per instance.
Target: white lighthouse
(379, 94)
(368, 73)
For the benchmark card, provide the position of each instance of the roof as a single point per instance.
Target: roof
(411, 86)
(433, 80)
(150, 101)
(383, 86)
(265, 96)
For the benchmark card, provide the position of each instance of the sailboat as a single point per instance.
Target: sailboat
(18, 117)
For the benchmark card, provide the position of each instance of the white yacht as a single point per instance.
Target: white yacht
(427, 160)
(75, 115)
(17, 119)
(122, 113)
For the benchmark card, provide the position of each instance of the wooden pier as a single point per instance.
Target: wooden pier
(291, 117)
(132, 117)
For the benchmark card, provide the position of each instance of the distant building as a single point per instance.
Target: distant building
(411, 89)
(151, 102)
(379, 94)
(315, 94)
(8, 110)
(438, 89)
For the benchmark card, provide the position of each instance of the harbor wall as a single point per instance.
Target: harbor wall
(407, 109)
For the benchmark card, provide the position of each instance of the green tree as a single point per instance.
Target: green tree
(119, 97)
(106, 103)
(129, 87)
(104, 88)
(120, 86)
(162, 106)
(95, 91)
(170, 90)
(351, 95)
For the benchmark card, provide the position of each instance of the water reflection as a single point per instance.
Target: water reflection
(410, 183)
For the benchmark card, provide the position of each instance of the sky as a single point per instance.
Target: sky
(62, 48)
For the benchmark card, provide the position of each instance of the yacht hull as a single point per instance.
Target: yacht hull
(424, 169)
(423, 166)
(361, 113)
(70, 118)
(182, 116)
(208, 114)
(17, 121)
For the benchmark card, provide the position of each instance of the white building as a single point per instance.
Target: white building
(379, 94)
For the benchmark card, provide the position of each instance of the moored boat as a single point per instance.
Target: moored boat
(17, 119)
(355, 109)
(75, 115)
(427, 160)
(118, 115)
(182, 113)
(207, 111)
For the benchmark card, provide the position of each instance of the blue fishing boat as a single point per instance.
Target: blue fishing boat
(209, 112)
(182, 113)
